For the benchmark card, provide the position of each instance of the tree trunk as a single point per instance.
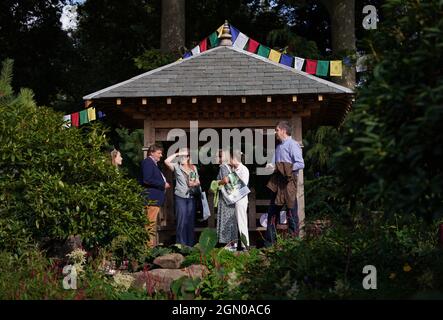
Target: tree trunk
(342, 14)
(173, 25)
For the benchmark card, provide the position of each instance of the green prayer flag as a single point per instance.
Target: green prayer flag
(213, 39)
(84, 117)
(322, 68)
(263, 51)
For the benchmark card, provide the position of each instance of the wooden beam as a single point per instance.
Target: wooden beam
(138, 116)
(219, 123)
(252, 212)
(296, 122)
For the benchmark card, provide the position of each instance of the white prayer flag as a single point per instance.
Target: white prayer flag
(241, 41)
(298, 64)
(195, 51)
(67, 119)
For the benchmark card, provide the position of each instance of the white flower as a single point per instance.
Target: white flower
(122, 281)
(78, 256)
(292, 293)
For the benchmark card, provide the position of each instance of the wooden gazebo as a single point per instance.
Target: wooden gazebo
(224, 87)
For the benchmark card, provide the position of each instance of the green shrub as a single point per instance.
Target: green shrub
(391, 151)
(57, 181)
(330, 266)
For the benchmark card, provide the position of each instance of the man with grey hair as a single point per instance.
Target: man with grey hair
(288, 160)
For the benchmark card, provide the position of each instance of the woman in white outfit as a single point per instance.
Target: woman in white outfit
(241, 206)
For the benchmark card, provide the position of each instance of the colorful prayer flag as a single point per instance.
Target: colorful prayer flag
(220, 31)
(311, 66)
(252, 45)
(213, 39)
(322, 68)
(101, 114)
(83, 117)
(263, 51)
(75, 119)
(234, 33)
(274, 56)
(336, 68)
(91, 114)
(196, 50)
(298, 63)
(187, 55)
(67, 120)
(203, 45)
(241, 41)
(286, 60)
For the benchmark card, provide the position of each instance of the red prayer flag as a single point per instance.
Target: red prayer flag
(203, 45)
(311, 66)
(75, 119)
(252, 45)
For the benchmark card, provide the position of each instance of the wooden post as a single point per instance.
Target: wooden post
(252, 210)
(211, 219)
(148, 135)
(296, 122)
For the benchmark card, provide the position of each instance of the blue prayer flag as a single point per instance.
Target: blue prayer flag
(234, 33)
(286, 60)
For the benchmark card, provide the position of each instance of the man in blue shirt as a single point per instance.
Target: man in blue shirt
(288, 160)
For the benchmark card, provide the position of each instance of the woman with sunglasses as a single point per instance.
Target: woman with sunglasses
(186, 188)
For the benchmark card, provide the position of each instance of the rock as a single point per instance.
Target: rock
(161, 279)
(158, 279)
(170, 261)
(197, 270)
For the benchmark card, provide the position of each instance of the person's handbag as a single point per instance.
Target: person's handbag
(205, 205)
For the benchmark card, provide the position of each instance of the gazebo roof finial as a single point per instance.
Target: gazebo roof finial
(225, 38)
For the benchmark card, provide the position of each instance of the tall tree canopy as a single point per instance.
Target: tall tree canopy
(31, 34)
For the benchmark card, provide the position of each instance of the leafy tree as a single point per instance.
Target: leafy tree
(109, 36)
(57, 181)
(31, 34)
(391, 152)
(131, 144)
(319, 146)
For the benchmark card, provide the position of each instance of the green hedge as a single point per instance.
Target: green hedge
(57, 181)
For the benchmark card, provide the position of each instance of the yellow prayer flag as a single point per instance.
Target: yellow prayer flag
(91, 114)
(219, 31)
(274, 56)
(336, 69)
